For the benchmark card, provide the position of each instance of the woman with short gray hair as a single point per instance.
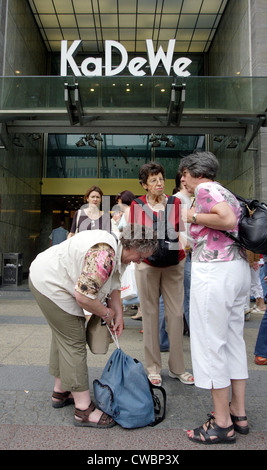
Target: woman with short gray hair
(220, 281)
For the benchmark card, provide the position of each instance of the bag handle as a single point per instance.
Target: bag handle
(113, 336)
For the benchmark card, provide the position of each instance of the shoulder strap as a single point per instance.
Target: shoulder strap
(171, 200)
(157, 404)
(77, 220)
(115, 236)
(151, 214)
(146, 209)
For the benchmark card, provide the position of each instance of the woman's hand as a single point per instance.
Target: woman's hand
(221, 217)
(114, 303)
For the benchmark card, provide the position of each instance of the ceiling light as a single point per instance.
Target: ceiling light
(164, 138)
(36, 136)
(17, 142)
(170, 143)
(233, 144)
(92, 143)
(88, 137)
(80, 143)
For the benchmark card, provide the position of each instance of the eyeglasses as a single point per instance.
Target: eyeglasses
(154, 181)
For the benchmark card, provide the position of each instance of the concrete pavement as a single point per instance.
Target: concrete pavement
(28, 421)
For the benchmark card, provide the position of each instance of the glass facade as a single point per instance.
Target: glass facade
(114, 156)
(101, 95)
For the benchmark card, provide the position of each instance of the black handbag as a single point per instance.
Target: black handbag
(252, 227)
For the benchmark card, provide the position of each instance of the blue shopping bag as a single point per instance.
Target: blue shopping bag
(125, 393)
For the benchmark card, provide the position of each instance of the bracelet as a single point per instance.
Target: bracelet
(107, 315)
(194, 218)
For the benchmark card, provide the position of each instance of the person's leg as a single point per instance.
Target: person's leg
(68, 356)
(230, 366)
(187, 283)
(163, 335)
(148, 285)
(237, 405)
(219, 427)
(172, 288)
(261, 343)
(220, 398)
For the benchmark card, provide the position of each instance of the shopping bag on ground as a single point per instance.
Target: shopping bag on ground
(128, 283)
(125, 393)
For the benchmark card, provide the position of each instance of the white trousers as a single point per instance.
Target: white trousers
(217, 299)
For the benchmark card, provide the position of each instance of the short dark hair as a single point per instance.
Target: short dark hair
(148, 169)
(126, 197)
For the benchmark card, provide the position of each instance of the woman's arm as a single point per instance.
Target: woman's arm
(73, 225)
(221, 217)
(114, 302)
(94, 306)
(112, 314)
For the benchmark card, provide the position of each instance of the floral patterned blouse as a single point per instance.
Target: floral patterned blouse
(209, 244)
(97, 268)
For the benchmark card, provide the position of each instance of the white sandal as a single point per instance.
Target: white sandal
(155, 378)
(186, 378)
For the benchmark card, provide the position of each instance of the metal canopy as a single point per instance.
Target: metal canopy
(134, 105)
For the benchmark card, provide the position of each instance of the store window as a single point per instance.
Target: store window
(115, 156)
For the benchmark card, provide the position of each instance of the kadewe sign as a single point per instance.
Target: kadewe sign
(135, 65)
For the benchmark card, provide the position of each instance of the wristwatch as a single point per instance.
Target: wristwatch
(194, 218)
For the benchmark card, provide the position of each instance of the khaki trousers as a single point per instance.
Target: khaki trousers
(168, 281)
(68, 353)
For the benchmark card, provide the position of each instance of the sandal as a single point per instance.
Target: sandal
(213, 430)
(105, 420)
(261, 361)
(186, 378)
(155, 379)
(237, 428)
(64, 399)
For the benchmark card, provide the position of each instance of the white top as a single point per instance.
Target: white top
(55, 271)
(188, 202)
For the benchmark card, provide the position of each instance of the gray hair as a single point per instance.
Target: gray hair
(139, 237)
(200, 164)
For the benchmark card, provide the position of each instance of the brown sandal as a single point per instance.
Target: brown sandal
(64, 399)
(105, 420)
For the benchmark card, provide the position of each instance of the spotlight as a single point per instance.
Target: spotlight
(36, 136)
(218, 138)
(88, 137)
(164, 138)
(92, 143)
(170, 143)
(17, 142)
(98, 137)
(233, 144)
(153, 138)
(156, 143)
(80, 143)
